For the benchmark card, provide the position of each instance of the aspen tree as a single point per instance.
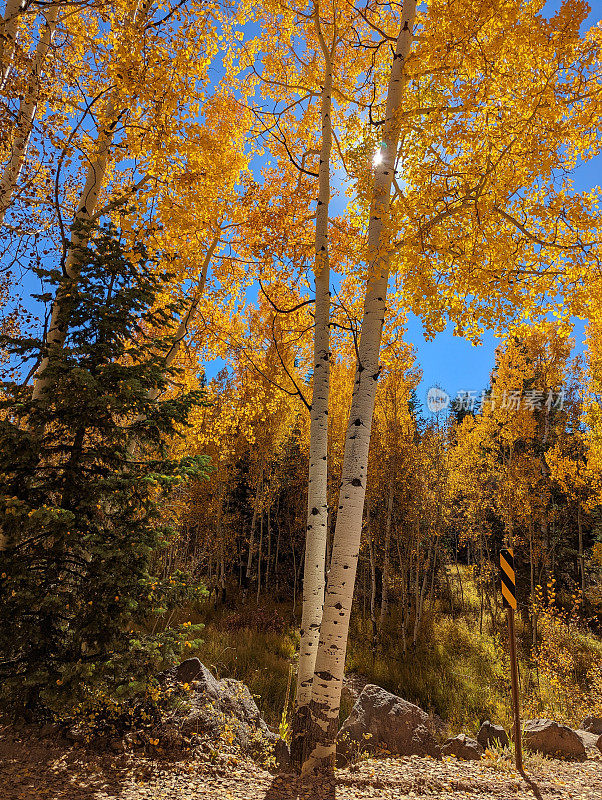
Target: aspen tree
(330, 660)
(302, 82)
(85, 211)
(317, 494)
(151, 153)
(9, 29)
(27, 111)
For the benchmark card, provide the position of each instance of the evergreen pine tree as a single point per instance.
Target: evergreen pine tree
(83, 473)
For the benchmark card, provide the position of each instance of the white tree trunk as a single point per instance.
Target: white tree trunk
(256, 508)
(330, 660)
(27, 112)
(9, 28)
(85, 212)
(384, 605)
(57, 328)
(317, 495)
(182, 328)
(580, 551)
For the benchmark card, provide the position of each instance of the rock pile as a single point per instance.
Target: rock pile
(220, 710)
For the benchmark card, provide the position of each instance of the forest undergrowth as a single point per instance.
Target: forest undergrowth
(459, 669)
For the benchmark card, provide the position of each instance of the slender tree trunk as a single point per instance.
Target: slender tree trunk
(451, 593)
(403, 598)
(9, 27)
(259, 555)
(330, 660)
(28, 107)
(290, 532)
(252, 534)
(269, 556)
(460, 583)
(79, 232)
(532, 578)
(481, 589)
(364, 589)
(431, 592)
(276, 574)
(421, 591)
(384, 605)
(581, 554)
(314, 570)
(372, 591)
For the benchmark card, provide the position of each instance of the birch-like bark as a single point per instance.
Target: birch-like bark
(384, 603)
(581, 554)
(182, 328)
(57, 329)
(372, 592)
(317, 495)
(259, 549)
(28, 107)
(420, 593)
(269, 555)
(84, 215)
(330, 660)
(9, 29)
(256, 505)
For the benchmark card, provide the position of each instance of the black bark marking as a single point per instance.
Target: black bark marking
(356, 482)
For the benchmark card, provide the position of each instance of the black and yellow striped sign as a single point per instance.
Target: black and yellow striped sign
(508, 578)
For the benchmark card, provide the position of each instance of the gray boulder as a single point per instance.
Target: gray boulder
(491, 734)
(382, 723)
(193, 670)
(552, 739)
(592, 725)
(463, 747)
(225, 709)
(222, 711)
(590, 740)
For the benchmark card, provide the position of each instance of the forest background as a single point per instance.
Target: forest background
(169, 183)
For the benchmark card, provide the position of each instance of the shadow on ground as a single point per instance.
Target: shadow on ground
(287, 787)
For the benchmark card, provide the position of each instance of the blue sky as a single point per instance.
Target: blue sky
(455, 364)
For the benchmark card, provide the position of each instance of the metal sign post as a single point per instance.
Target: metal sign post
(508, 581)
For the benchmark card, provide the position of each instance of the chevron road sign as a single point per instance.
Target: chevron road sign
(508, 578)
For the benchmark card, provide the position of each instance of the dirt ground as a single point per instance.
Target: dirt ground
(33, 768)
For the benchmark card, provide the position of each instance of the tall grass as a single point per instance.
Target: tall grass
(260, 658)
(454, 671)
(457, 671)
